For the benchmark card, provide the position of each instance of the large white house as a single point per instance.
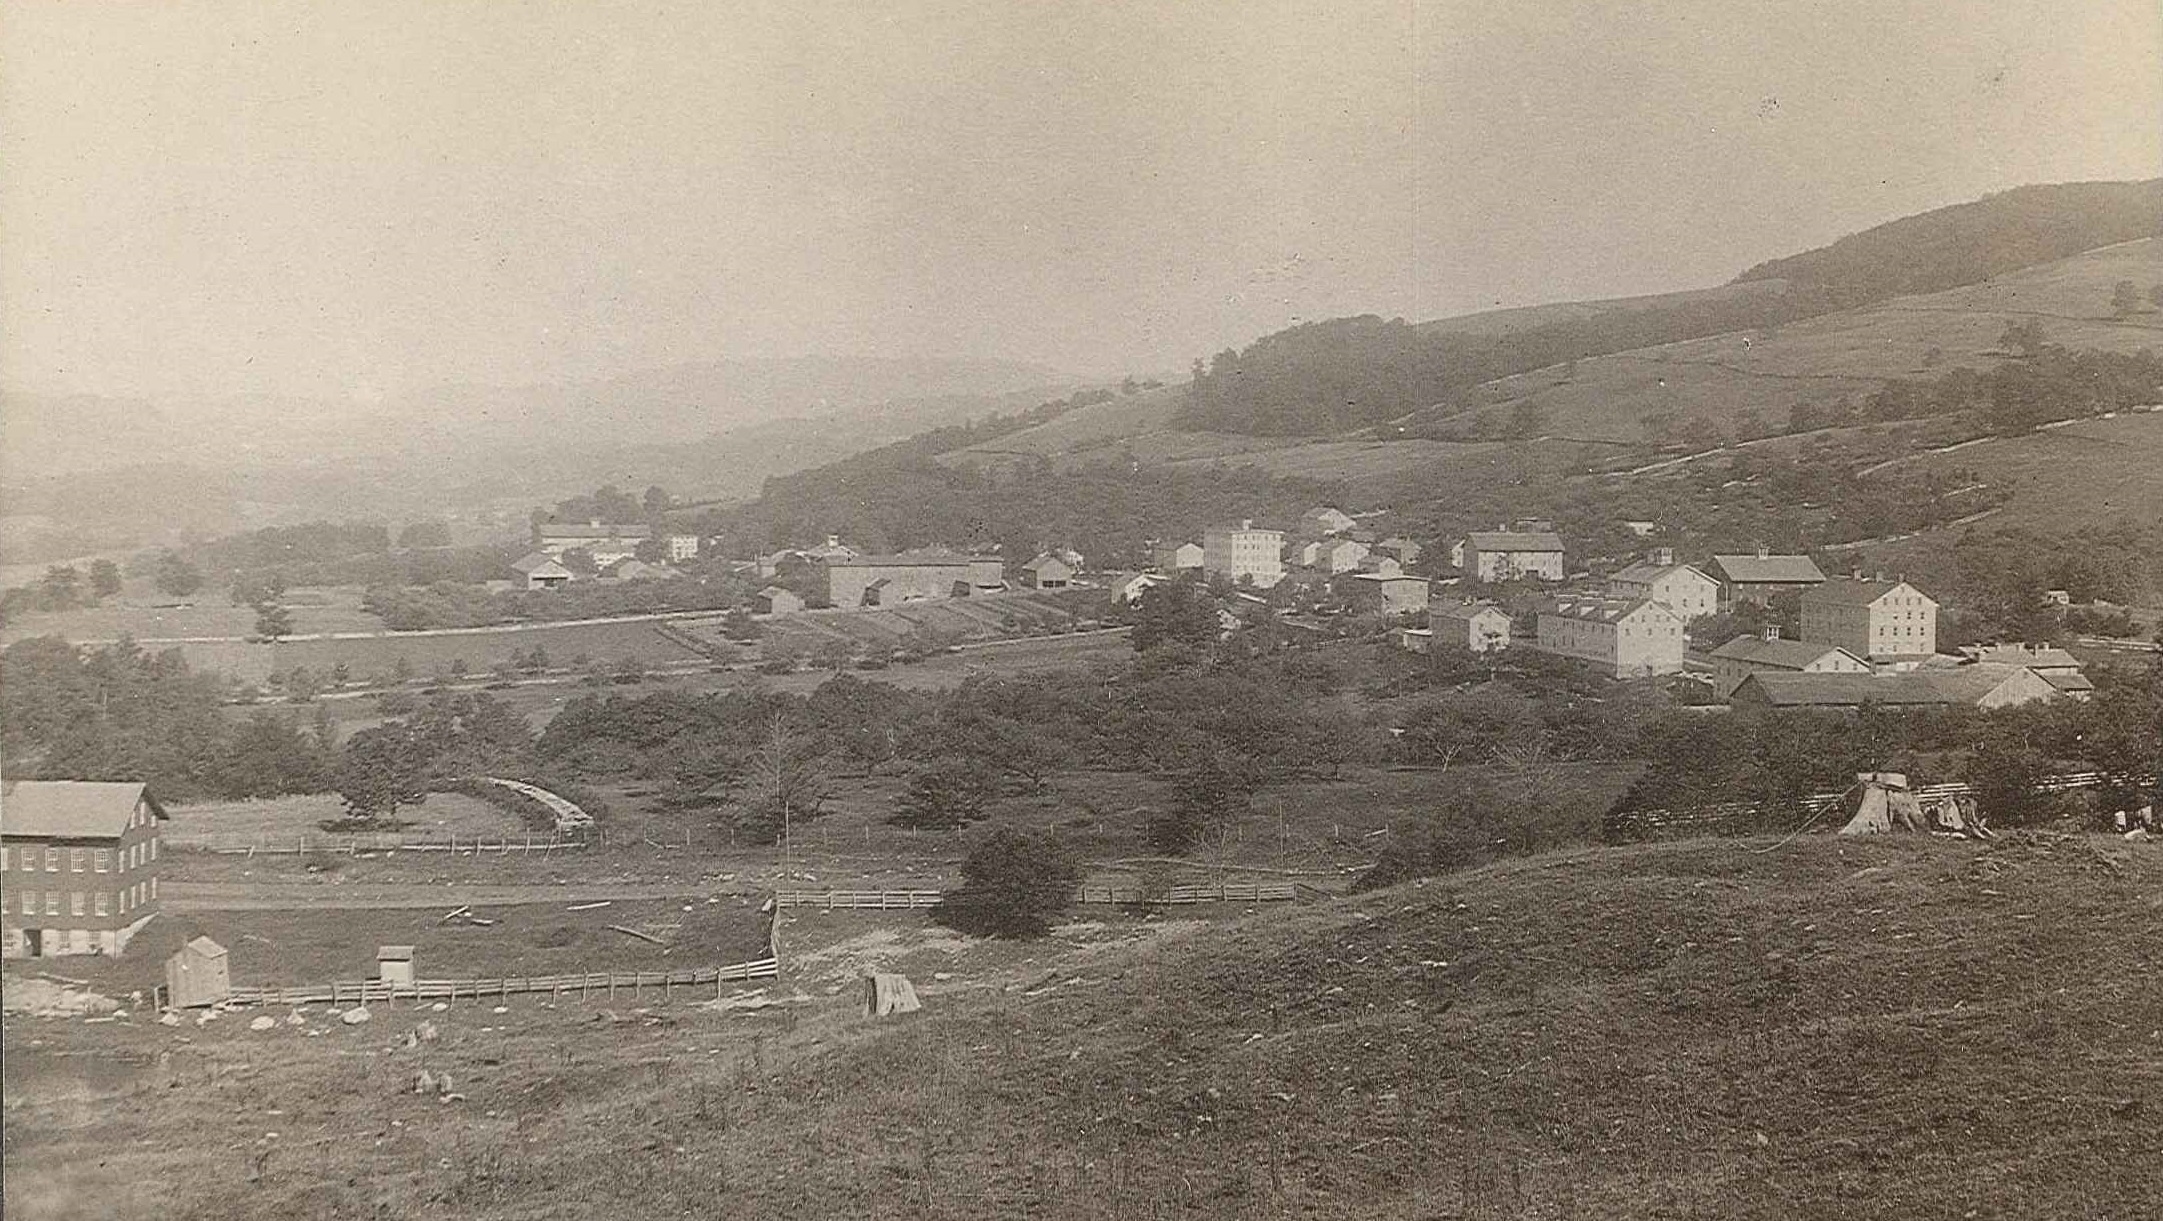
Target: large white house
(1679, 587)
(1507, 555)
(1244, 552)
(1621, 637)
(1885, 621)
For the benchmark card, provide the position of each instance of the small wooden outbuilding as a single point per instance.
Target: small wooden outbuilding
(394, 964)
(196, 975)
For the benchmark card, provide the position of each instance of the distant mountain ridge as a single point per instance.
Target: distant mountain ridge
(1339, 375)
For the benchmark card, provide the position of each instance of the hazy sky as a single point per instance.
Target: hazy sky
(359, 198)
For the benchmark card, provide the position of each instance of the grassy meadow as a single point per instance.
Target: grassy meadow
(1828, 1028)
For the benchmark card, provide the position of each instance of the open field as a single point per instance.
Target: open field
(1827, 1028)
(321, 944)
(144, 613)
(285, 817)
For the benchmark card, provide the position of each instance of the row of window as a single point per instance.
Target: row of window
(99, 902)
(99, 860)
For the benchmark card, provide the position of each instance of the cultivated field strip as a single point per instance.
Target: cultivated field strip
(604, 983)
(1227, 892)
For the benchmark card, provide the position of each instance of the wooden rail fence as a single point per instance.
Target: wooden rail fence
(583, 986)
(352, 843)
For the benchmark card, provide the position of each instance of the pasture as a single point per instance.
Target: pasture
(227, 822)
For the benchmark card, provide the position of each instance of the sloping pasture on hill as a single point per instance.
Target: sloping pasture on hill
(1825, 1029)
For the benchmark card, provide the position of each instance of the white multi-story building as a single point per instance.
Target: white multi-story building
(1885, 621)
(1679, 587)
(1244, 552)
(1619, 636)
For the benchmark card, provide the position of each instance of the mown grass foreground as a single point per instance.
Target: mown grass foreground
(1730, 1029)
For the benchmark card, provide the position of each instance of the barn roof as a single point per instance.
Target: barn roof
(1785, 654)
(1596, 609)
(1769, 569)
(1645, 572)
(1844, 690)
(71, 809)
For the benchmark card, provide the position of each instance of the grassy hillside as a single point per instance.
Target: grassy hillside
(1730, 386)
(1747, 384)
(1824, 1029)
(1971, 242)
(2094, 475)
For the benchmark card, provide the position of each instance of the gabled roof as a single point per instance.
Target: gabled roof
(1855, 591)
(1645, 572)
(1466, 612)
(778, 590)
(1597, 609)
(1784, 654)
(1968, 684)
(71, 809)
(1043, 560)
(205, 947)
(1387, 578)
(539, 561)
(1511, 540)
(1769, 569)
(1844, 690)
(2039, 658)
(2067, 680)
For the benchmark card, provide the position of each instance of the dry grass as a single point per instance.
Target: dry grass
(227, 822)
(1834, 1029)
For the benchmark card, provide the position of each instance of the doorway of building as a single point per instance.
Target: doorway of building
(34, 940)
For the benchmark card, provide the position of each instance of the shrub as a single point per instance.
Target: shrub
(1012, 886)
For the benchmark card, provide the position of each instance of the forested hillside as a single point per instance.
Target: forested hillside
(1350, 373)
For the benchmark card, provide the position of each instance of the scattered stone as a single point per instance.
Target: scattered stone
(426, 1031)
(266, 1022)
(354, 1016)
(500, 1009)
(168, 1018)
(438, 1007)
(295, 1019)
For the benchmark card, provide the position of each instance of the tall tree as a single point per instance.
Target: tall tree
(783, 784)
(175, 576)
(381, 769)
(104, 579)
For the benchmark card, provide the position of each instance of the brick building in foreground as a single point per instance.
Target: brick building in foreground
(78, 866)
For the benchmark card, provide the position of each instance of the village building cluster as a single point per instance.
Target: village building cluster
(1861, 639)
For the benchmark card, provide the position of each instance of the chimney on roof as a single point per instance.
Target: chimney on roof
(833, 540)
(1663, 556)
(1763, 552)
(595, 522)
(1770, 631)
(1246, 523)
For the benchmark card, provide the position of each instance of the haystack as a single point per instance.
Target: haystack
(886, 994)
